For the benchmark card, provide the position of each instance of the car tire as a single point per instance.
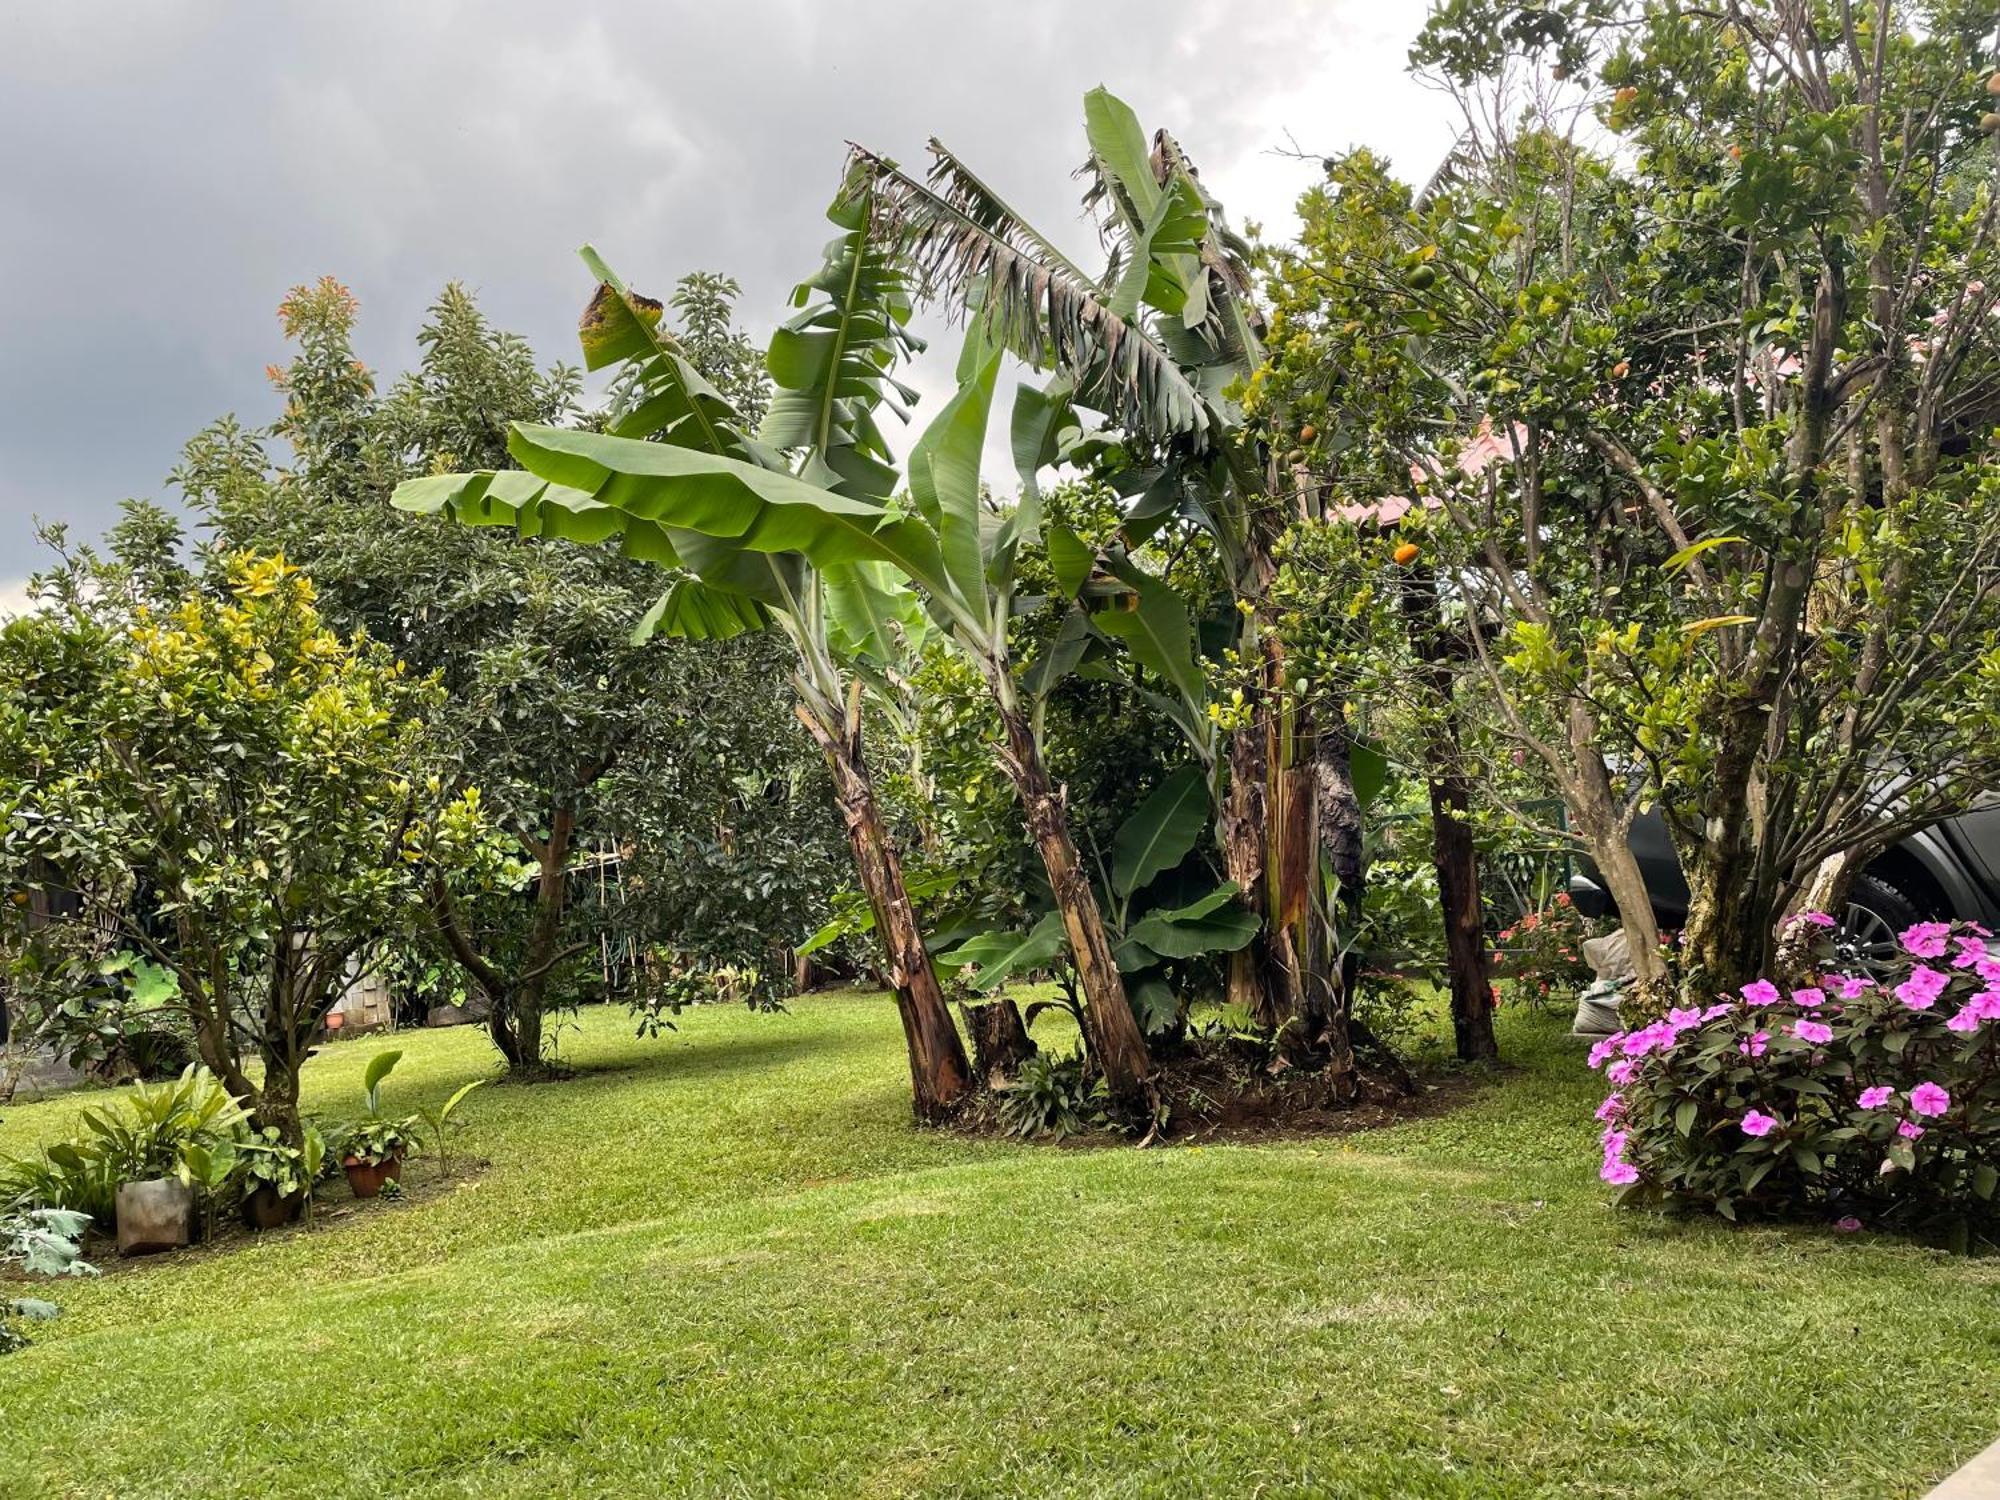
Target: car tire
(1876, 912)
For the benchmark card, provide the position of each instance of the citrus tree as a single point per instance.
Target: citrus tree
(240, 796)
(1689, 356)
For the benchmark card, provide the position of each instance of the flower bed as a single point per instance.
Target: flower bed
(1857, 1102)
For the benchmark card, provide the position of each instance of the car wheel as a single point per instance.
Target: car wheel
(1876, 913)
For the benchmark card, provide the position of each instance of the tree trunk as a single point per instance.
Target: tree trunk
(1467, 963)
(515, 1022)
(1466, 959)
(1244, 835)
(1114, 1035)
(940, 1076)
(1000, 1042)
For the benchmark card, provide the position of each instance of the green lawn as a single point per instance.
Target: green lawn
(724, 1263)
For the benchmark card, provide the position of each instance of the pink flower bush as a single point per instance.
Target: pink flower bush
(1855, 1098)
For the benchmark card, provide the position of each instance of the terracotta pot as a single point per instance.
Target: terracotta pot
(335, 1020)
(265, 1208)
(366, 1178)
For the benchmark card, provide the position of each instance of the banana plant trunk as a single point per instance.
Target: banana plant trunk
(1114, 1034)
(940, 1075)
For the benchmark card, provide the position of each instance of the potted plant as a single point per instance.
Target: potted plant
(143, 1141)
(373, 1149)
(372, 1153)
(278, 1177)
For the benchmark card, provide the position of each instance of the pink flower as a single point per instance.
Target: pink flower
(1929, 1099)
(1910, 1130)
(1809, 998)
(1921, 989)
(1965, 1020)
(1658, 1037)
(1850, 986)
(1623, 1071)
(1847, 1225)
(1812, 1031)
(1612, 1107)
(1756, 1122)
(1601, 1051)
(1760, 992)
(1985, 1005)
(1813, 918)
(1614, 1142)
(1753, 1044)
(1970, 951)
(1722, 1008)
(1876, 1096)
(1619, 1173)
(1987, 969)
(1682, 1018)
(1926, 939)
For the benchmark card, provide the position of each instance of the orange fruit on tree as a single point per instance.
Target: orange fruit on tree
(1407, 554)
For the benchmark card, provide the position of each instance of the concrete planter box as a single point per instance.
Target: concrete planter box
(154, 1215)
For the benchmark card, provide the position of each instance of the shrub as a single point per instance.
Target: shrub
(1855, 1100)
(1542, 953)
(1053, 1096)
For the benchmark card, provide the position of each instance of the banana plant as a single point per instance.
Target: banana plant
(1159, 342)
(1161, 908)
(762, 540)
(750, 530)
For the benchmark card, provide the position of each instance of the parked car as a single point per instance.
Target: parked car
(1950, 870)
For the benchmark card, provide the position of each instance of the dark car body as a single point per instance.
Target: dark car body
(1949, 870)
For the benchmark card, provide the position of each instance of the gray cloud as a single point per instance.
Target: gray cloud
(177, 164)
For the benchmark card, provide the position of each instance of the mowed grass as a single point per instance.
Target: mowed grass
(724, 1263)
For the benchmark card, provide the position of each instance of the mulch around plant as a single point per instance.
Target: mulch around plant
(1214, 1093)
(333, 1205)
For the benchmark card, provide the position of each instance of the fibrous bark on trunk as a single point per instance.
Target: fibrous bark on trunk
(1000, 1040)
(940, 1076)
(1115, 1040)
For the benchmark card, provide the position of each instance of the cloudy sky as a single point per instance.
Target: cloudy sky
(175, 165)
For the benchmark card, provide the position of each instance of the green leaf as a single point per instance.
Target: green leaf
(1155, 1004)
(944, 477)
(1689, 553)
(999, 954)
(697, 611)
(1161, 831)
(1069, 558)
(458, 1098)
(379, 1068)
(1685, 1114)
(1368, 769)
(831, 361)
(1059, 657)
(871, 612)
(1214, 924)
(1156, 631)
